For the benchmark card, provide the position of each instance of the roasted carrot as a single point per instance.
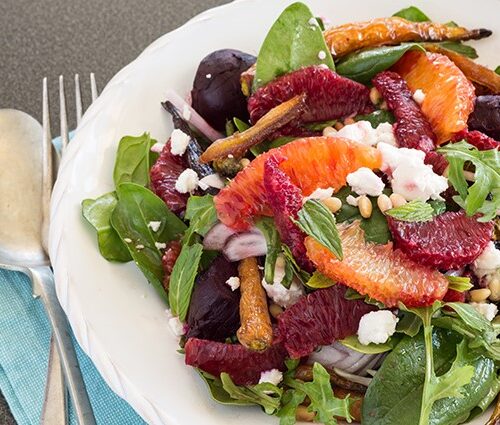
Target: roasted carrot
(255, 332)
(238, 143)
(347, 38)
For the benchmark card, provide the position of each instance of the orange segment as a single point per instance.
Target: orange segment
(311, 163)
(378, 271)
(449, 95)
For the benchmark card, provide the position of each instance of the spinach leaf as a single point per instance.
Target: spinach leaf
(375, 228)
(414, 211)
(461, 48)
(136, 208)
(459, 283)
(201, 213)
(270, 144)
(182, 279)
(353, 343)
(290, 401)
(267, 227)
(295, 40)
(413, 14)
(487, 178)
(364, 65)
(377, 117)
(319, 281)
(133, 160)
(266, 394)
(98, 212)
(320, 126)
(318, 222)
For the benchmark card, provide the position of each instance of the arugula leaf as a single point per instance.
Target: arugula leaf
(459, 283)
(270, 144)
(362, 66)
(323, 401)
(294, 41)
(351, 294)
(134, 159)
(136, 208)
(202, 215)
(487, 177)
(318, 222)
(375, 228)
(353, 343)
(492, 393)
(414, 211)
(218, 392)
(461, 48)
(413, 14)
(409, 324)
(266, 394)
(377, 117)
(182, 279)
(267, 227)
(290, 401)
(98, 213)
(240, 124)
(319, 281)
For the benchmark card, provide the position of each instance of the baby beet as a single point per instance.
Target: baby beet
(214, 309)
(216, 93)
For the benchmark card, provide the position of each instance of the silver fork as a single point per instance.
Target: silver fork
(64, 357)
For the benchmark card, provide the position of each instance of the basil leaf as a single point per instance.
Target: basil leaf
(364, 65)
(290, 401)
(294, 41)
(318, 222)
(133, 160)
(136, 208)
(202, 215)
(266, 394)
(98, 212)
(413, 14)
(353, 343)
(267, 227)
(487, 177)
(319, 281)
(459, 283)
(414, 211)
(182, 279)
(463, 49)
(268, 145)
(377, 117)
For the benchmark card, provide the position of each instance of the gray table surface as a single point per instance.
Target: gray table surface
(53, 37)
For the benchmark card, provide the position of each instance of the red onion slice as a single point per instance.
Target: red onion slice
(244, 245)
(194, 118)
(217, 237)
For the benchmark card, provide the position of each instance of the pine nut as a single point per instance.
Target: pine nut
(384, 203)
(302, 414)
(333, 204)
(275, 310)
(375, 96)
(244, 162)
(338, 125)
(365, 206)
(479, 295)
(349, 121)
(383, 105)
(397, 200)
(329, 132)
(494, 287)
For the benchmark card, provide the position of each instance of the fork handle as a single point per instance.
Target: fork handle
(43, 278)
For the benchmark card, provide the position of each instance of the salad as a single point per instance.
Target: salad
(322, 222)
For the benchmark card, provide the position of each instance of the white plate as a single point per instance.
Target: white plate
(117, 318)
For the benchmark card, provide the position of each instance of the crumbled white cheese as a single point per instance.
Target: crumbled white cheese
(364, 181)
(273, 376)
(419, 96)
(393, 157)
(212, 180)
(363, 132)
(351, 200)
(320, 194)
(208, 76)
(233, 282)
(281, 295)
(187, 181)
(160, 245)
(186, 113)
(321, 55)
(128, 240)
(488, 262)
(488, 310)
(176, 326)
(385, 134)
(139, 246)
(376, 327)
(178, 142)
(313, 22)
(154, 225)
(157, 147)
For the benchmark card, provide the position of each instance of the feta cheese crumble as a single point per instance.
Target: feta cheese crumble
(273, 376)
(376, 327)
(488, 310)
(212, 180)
(154, 225)
(364, 181)
(319, 194)
(208, 76)
(322, 55)
(187, 181)
(233, 282)
(160, 245)
(488, 262)
(363, 132)
(419, 96)
(277, 292)
(176, 326)
(178, 142)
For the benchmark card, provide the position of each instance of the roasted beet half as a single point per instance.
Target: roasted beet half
(486, 116)
(214, 309)
(216, 93)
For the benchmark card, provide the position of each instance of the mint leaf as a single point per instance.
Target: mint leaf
(318, 222)
(294, 41)
(290, 401)
(267, 227)
(319, 281)
(182, 279)
(439, 207)
(487, 177)
(414, 211)
(201, 213)
(413, 14)
(292, 265)
(459, 283)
